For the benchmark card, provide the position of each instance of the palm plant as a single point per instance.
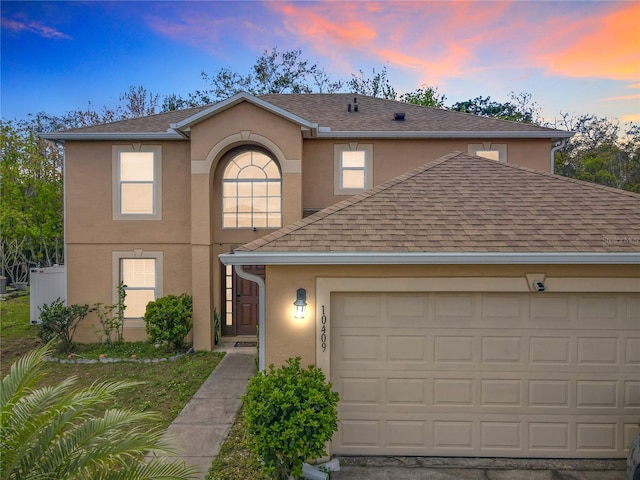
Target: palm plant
(57, 432)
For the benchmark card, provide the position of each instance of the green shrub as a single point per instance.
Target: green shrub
(291, 413)
(60, 322)
(168, 320)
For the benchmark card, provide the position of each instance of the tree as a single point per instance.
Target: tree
(60, 431)
(425, 96)
(31, 194)
(376, 86)
(273, 72)
(598, 153)
(139, 102)
(520, 108)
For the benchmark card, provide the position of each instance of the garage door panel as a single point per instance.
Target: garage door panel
(633, 309)
(407, 348)
(632, 351)
(486, 374)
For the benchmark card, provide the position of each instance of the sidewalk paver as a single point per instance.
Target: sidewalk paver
(199, 430)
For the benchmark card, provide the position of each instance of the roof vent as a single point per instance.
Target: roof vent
(398, 116)
(349, 107)
(355, 104)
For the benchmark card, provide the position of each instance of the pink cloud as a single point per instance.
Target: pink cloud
(457, 39)
(600, 45)
(621, 97)
(19, 24)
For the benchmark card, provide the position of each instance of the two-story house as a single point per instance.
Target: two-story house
(461, 298)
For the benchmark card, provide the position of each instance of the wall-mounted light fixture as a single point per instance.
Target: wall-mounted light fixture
(300, 303)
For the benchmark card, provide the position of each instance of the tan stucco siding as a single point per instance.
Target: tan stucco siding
(90, 279)
(246, 118)
(392, 158)
(289, 337)
(89, 196)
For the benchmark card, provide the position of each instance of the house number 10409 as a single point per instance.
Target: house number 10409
(323, 335)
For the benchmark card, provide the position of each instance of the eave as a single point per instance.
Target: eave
(130, 136)
(553, 135)
(429, 258)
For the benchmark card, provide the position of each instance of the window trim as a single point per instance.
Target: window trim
(237, 182)
(501, 148)
(157, 181)
(116, 275)
(338, 149)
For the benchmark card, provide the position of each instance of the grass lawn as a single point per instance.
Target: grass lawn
(168, 385)
(235, 461)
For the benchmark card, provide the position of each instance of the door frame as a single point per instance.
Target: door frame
(229, 293)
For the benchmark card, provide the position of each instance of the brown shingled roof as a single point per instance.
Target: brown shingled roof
(330, 111)
(158, 123)
(376, 114)
(463, 203)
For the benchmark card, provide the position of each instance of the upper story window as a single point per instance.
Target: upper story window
(491, 151)
(353, 168)
(251, 192)
(137, 180)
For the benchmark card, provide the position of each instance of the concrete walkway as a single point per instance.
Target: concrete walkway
(201, 427)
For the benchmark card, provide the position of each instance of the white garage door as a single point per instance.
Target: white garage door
(473, 374)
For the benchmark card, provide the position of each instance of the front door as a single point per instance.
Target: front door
(245, 294)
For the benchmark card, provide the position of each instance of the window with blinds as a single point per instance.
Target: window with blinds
(140, 279)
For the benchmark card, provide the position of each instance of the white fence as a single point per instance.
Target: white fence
(47, 284)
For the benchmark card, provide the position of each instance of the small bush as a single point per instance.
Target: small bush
(168, 320)
(112, 317)
(60, 322)
(291, 413)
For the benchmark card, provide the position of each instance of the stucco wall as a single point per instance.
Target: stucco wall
(289, 337)
(90, 280)
(392, 158)
(89, 186)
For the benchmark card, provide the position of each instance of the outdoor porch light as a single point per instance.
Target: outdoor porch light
(300, 303)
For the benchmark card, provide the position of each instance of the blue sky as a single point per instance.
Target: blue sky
(575, 57)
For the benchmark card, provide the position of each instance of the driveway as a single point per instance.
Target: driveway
(434, 468)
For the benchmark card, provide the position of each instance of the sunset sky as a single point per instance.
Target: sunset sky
(572, 56)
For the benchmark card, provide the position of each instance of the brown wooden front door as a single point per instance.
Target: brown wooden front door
(246, 301)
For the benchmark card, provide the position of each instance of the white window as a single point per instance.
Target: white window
(141, 272)
(251, 192)
(353, 168)
(139, 277)
(491, 151)
(137, 180)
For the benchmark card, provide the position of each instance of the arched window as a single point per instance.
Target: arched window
(251, 192)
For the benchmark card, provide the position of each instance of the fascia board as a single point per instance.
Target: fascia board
(112, 136)
(422, 258)
(324, 133)
(235, 100)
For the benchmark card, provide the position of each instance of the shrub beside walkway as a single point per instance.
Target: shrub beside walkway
(201, 427)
